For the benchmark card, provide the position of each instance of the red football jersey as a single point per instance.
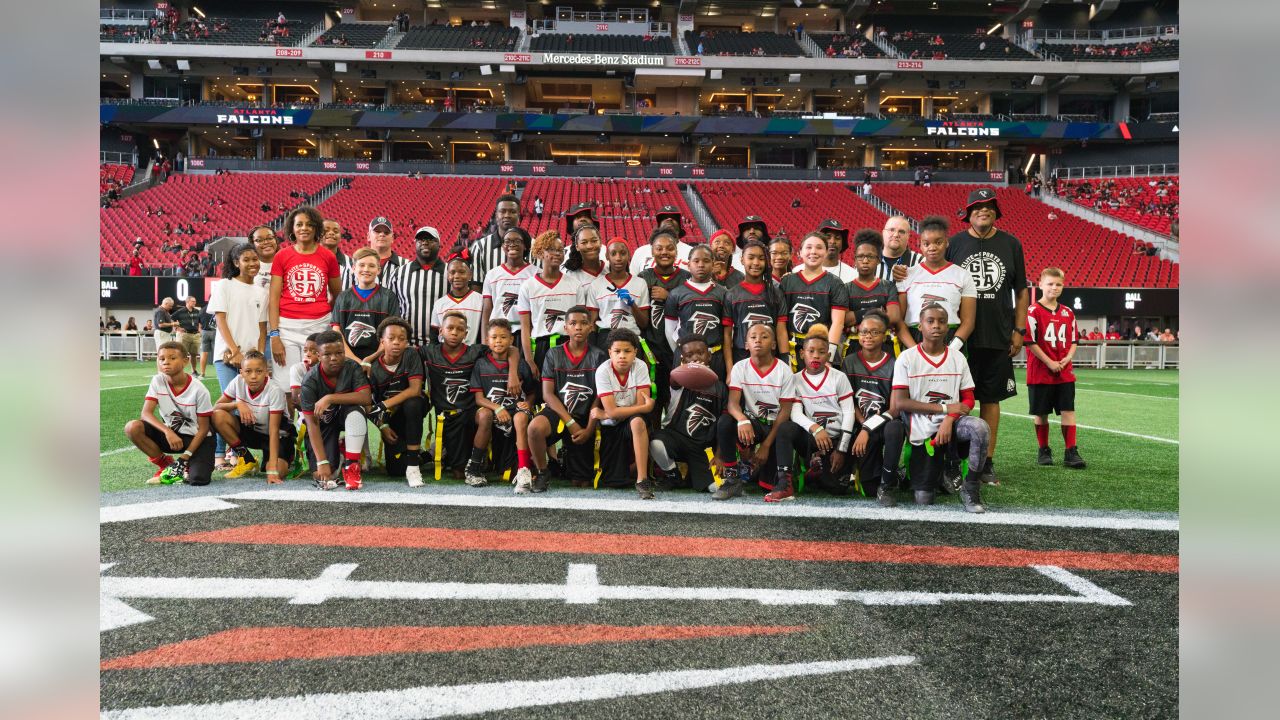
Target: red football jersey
(1054, 331)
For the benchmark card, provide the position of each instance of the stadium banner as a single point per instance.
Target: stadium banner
(148, 291)
(1118, 302)
(816, 126)
(603, 59)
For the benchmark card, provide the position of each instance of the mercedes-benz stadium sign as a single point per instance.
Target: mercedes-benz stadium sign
(603, 60)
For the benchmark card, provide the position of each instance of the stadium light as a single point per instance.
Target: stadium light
(995, 27)
(197, 11)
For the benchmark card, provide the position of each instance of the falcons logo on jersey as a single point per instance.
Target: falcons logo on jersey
(802, 316)
(497, 396)
(697, 419)
(704, 322)
(359, 331)
(753, 319)
(573, 395)
(176, 421)
(927, 298)
(508, 302)
(765, 410)
(550, 317)
(454, 389)
(933, 396)
(824, 418)
(615, 317)
(656, 311)
(869, 402)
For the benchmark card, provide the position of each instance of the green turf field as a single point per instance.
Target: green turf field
(1128, 436)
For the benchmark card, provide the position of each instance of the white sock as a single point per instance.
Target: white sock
(356, 426)
(658, 451)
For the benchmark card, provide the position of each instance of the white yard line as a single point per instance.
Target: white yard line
(161, 508)
(117, 451)
(1099, 429)
(1137, 395)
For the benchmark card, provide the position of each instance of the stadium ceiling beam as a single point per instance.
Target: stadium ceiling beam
(1028, 7)
(1102, 10)
(1135, 80)
(1064, 81)
(854, 10)
(879, 80)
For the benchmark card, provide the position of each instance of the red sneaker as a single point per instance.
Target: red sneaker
(351, 475)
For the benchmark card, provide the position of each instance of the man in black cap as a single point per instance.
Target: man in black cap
(837, 242)
(382, 239)
(420, 283)
(486, 252)
(669, 221)
(995, 260)
(752, 227)
(580, 215)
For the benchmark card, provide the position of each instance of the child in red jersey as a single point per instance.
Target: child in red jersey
(1051, 381)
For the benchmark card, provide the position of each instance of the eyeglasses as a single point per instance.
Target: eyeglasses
(865, 257)
(871, 332)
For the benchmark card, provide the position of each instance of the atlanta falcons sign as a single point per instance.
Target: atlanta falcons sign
(616, 316)
(704, 322)
(358, 331)
(802, 316)
(508, 302)
(454, 389)
(753, 319)
(869, 401)
(550, 317)
(573, 395)
(824, 418)
(697, 419)
(765, 410)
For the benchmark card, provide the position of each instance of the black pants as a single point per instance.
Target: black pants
(871, 466)
(579, 461)
(727, 446)
(452, 441)
(405, 420)
(680, 448)
(616, 456)
(805, 446)
(925, 469)
(200, 467)
(541, 346)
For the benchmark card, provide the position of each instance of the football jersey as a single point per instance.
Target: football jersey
(812, 301)
(880, 294)
(317, 384)
(945, 287)
(469, 305)
(602, 296)
(1054, 332)
(178, 408)
(655, 334)
(358, 319)
(626, 390)
(490, 378)
(936, 379)
(502, 288)
(389, 381)
(266, 402)
(872, 384)
(693, 413)
(449, 378)
(730, 279)
(642, 258)
(574, 378)
(820, 396)
(297, 372)
(748, 304)
(699, 312)
(546, 303)
(762, 390)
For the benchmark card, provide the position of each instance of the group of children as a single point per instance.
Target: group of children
(818, 378)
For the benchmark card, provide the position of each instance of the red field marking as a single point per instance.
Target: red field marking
(377, 536)
(268, 644)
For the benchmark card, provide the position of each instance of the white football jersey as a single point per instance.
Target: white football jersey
(546, 304)
(179, 407)
(945, 287)
(267, 402)
(469, 305)
(821, 394)
(930, 379)
(625, 390)
(762, 390)
(502, 288)
(602, 296)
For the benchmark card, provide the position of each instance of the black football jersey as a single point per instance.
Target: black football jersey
(748, 304)
(358, 319)
(449, 378)
(654, 334)
(490, 378)
(693, 413)
(700, 312)
(386, 382)
(811, 301)
(317, 384)
(872, 385)
(574, 377)
(878, 295)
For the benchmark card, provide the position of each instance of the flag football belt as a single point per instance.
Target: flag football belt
(653, 362)
(441, 415)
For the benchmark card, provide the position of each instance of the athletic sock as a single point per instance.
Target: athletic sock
(477, 456)
(162, 461)
(412, 458)
(1069, 435)
(523, 459)
(1042, 434)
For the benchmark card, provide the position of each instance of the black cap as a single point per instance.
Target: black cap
(673, 212)
(978, 197)
(753, 220)
(587, 207)
(833, 227)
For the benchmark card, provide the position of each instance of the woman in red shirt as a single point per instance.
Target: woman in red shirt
(304, 280)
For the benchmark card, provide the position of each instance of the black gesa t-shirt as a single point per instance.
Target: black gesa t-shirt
(999, 272)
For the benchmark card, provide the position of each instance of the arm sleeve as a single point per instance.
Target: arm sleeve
(204, 403)
(604, 381)
(799, 417)
(522, 300)
(840, 297)
(216, 303)
(847, 419)
(967, 398)
(641, 294)
(1033, 328)
(900, 373)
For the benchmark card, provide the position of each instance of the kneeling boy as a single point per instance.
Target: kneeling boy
(332, 399)
(398, 406)
(689, 428)
(185, 406)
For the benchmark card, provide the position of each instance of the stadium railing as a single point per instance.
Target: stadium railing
(1126, 34)
(1105, 171)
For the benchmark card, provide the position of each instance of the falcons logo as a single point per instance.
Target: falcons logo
(508, 302)
(176, 421)
(697, 419)
(704, 322)
(358, 331)
(802, 316)
(869, 401)
(933, 396)
(497, 396)
(454, 389)
(573, 395)
(765, 410)
(927, 298)
(615, 317)
(753, 319)
(551, 317)
(656, 311)
(824, 418)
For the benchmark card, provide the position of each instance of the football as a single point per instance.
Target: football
(694, 376)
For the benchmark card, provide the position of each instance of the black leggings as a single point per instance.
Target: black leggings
(406, 421)
(727, 443)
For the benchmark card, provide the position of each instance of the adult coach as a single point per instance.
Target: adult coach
(995, 260)
(304, 281)
(897, 251)
(485, 253)
(163, 322)
(188, 331)
(382, 239)
(420, 283)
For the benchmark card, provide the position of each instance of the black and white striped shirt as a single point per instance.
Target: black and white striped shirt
(385, 275)
(910, 258)
(486, 254)
(418, 288)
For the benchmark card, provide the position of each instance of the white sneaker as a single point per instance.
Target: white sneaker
(413, 475)
(524, 481)
(475, 480)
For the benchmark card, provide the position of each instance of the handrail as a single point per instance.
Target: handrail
(1169, 31)
(1104, 171)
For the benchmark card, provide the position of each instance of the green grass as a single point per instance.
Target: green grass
(1125, 472)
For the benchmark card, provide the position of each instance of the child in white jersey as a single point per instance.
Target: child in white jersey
(822, 418)
(761, 390)
(626, 396)
(935, 280)
(182, 427)
(258, 421)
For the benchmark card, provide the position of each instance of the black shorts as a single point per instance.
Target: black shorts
(1045, 399)
(682, 448)
(251, 438)
(580, 462)
(452, 443)
(200, 469)
(992, 371)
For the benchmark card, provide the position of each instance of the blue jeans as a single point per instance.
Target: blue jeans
(226, 374)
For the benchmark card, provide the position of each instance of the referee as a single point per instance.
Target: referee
(419, 283)
(486, 252)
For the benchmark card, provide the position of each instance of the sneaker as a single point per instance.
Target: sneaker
(644, 489)
(155, 479)
(524, 481)
(542, 480)
(351, 475)
(1071, 458)
(330, 484)
(245, 464)
(413, 475)
(971, 496)
(817, 466)
(223, 465)
(671, 479)
(554, 467)
(730, 488)
(924, 497)
(884, 496)
(175, 472)
(782, 489)
(951, 477)
(474, 478)
(1044, 456)
(988, 475)
(298, 468)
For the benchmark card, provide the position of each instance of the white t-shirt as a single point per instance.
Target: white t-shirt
(847, 273)
(602, 296)
(625, 390)
(945, 286)
(267, 402)
(818, 399)
(468, 305)
(931, 379)
(246, 306)
(502, 288)
(762, 390)
(546, 304)
(297, 372)
(179, 407)
(642, 258)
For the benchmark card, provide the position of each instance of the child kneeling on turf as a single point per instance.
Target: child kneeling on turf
(932, 387)
(761, 390)
(689, 428)
(870, 373)
(822, 418)
(395, 377)
(497, 408)
(626, 396)
(332, 399)
(185, 407)
(251, 414)
(1051, 381)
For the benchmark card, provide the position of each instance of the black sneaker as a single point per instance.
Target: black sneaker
(971, 496)
(988, 475)
(951, 477)
(782, 489)
(671, 479)
(644, 489)
(730, 488)
(1071, 458)
(554, 468)
(884, 496)
(540, 481)
(1045, 456)
(924, 497)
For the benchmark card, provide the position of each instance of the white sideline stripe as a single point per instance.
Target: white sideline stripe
(117, 451)
(450, 700)
(711, 507)
(113, 613)
(162, 508)
(124, 387)
(1099, 429)
(1085, 588)
(1137, 395)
